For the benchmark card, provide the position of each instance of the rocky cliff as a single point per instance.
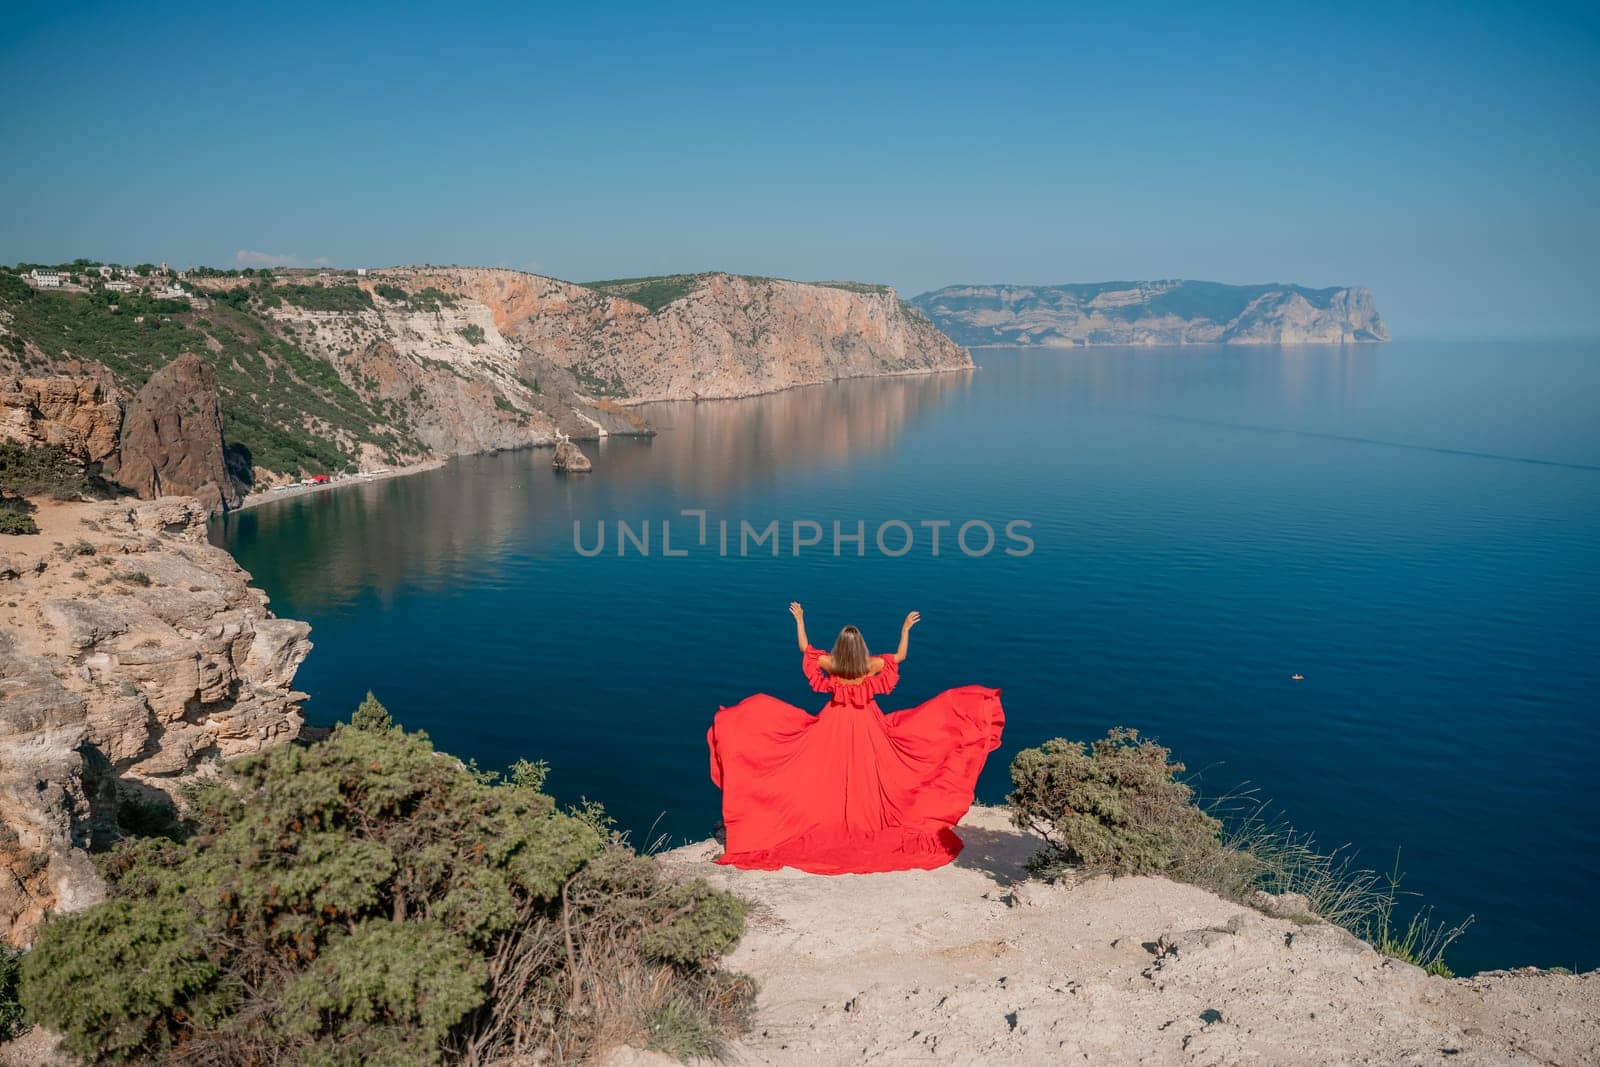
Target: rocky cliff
(132, 652)
(172, 438)
(703, 336)
(322, 371)
(168, 442)
(81, 414)
(1153, 313)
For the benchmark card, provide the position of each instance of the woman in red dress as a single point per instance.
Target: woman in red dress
(850, 790)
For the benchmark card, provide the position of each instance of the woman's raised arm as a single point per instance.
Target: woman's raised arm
(905, 635)
(799, 614)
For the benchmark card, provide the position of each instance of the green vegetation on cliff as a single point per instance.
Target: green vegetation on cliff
(290, 410)
(11, 1014)
(40, 470)
(1118, 805)
(317, 297)
(655, 292)
(366, 899)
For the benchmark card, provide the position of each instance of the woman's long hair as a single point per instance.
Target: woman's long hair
(850, 654)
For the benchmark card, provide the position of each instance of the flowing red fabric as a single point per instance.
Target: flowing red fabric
(850, 790)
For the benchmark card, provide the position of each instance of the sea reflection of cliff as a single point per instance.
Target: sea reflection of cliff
(461, 523)
(708, 449)
(326, 548)
(1149, 376)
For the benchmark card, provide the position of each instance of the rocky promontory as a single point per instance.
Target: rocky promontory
(1153, 313)
(975, 963)
(704, 336)
(132, 654)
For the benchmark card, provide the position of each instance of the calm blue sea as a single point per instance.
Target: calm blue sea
(1414, 527)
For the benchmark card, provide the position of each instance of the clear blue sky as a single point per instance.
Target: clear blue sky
(1445, 155)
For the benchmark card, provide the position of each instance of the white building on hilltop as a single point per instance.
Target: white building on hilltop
(45, 279)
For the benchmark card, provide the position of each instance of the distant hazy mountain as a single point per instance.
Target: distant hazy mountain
(1152, 313)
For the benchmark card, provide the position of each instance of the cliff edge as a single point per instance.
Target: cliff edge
(132, 653)
(972, 963)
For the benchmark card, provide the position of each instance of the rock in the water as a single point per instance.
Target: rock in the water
(570, 459)
(129, 665)
(172, 438)
(80, 414)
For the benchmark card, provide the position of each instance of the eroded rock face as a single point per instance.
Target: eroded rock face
(504, 359)
(135, 654)
(171, 442)
(727, 336)
(81, 414)
(456, 382)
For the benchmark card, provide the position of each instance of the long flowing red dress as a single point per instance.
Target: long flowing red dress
(850, 790)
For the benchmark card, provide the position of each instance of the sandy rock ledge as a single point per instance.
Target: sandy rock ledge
(973, 964)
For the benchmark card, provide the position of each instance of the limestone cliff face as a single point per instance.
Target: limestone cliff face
(1153, 313)
(724, 336)
(172, 438)
(331, 370)
(81, 414)
(132, 652)
(438, 364)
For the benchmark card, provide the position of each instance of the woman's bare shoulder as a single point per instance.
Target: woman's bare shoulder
(875, 665)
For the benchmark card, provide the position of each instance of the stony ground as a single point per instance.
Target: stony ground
(971, 964)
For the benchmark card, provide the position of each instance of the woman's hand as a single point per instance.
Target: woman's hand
(797, 611)
(799, 614)
(905, 635)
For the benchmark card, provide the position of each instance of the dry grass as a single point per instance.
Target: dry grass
(1262, 852)
(608, 993)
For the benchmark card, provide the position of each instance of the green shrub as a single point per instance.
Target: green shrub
(42, 470)
(1115, 804)
(652, 293)
(326, 297)
(389, 292)
(140, 816)
(13, 287)
(709, 924)
(15, 520)
(430, 298)
(371, 715)
(367, 899)
(12, 1020)
(473, 333)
